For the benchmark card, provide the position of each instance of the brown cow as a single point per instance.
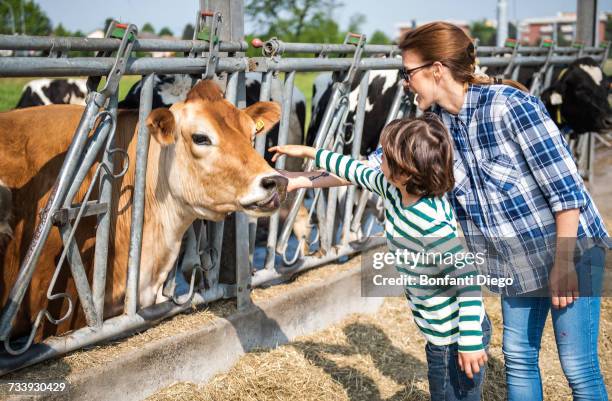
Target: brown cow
(201, 165)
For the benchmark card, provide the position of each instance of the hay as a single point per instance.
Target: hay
(371, 357)
(98, 355)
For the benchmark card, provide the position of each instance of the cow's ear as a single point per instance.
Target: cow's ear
(265, 115)
(160, 124)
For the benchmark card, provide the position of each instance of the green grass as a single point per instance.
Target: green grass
(11, 88)
(10, 91)
(608, 67)
(303, 81)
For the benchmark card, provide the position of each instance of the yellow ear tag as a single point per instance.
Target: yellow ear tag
(259, 125)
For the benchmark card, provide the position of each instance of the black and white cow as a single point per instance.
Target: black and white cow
(382, 86)
(578, 98)
(40, 92)
(169, 89)
(381, 91)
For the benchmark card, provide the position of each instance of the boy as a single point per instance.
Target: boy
(416, 172)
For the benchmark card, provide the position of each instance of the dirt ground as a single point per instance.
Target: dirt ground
(381, 356)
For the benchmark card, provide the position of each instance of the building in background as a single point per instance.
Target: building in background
(561, 28)
(531, 31)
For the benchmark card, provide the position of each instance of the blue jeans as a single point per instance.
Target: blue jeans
(576, 329)
(446, 380)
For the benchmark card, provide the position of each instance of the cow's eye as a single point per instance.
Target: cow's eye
(201, 139)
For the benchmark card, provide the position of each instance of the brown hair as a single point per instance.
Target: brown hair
(420, 150)
(451, 46)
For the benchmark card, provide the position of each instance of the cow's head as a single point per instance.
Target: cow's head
(207, 155)
(579, 97)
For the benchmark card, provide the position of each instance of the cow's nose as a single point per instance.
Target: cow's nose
(276, 182)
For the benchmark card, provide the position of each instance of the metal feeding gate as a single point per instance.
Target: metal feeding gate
(283, 255)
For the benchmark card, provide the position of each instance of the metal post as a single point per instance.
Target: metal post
(231, 29)
(502, 22)
(103, 231)
(283, 135)
(357, 136)
(138, 204)
(54, 202)
(586, 21)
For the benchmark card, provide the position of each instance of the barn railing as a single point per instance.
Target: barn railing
(284, 255)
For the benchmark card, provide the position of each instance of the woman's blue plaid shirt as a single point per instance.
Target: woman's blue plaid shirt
(513, 171)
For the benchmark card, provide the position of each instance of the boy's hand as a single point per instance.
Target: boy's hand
(471, 362)
(293, 151)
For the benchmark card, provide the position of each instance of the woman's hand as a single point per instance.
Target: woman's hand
(471, 362)
(563, 283)
(293, 151)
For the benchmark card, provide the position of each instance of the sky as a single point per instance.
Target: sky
(88, 15)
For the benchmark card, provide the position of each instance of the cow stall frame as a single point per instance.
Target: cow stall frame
(203, 241)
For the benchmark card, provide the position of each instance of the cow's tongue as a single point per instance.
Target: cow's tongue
(272, 203)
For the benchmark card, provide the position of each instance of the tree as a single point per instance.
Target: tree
(356, 22)
(147, 27)
(379, 38)
(36, 21)
(485, 33)
(288, 18)
(165, 31)
(107, 23)
(61, 31)
(188, 32)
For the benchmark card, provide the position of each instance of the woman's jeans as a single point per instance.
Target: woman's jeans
(446, 380)
(576, 330)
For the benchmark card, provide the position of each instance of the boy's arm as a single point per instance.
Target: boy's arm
(352, 170)
(312, 179)
(342, 166)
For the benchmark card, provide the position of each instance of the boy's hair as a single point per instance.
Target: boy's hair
(420, 150)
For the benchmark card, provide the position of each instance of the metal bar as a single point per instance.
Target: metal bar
(98, 285)
(275, 47)
(91, 153)
(54, 202)
(283, 135)
(278, 47)
(80, 277)
(398, 100)
(326, 209)
(64, 44)
(54, 67)
(121, 325)
(92, 208)
(112, 328)
(138, 204)
(355, 151)
(320, 137)
(260, 146)
(267, 276)
(243, 268)
(264, 96)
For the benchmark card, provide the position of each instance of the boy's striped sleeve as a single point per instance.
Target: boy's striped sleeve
(351, 170)
(470, 329)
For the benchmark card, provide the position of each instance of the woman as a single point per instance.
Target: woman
(516, 180)
(517, 195)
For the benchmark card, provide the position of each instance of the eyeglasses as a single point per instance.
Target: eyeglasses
(406, 74)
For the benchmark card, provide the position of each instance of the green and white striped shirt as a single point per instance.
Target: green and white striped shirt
(444, 314)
